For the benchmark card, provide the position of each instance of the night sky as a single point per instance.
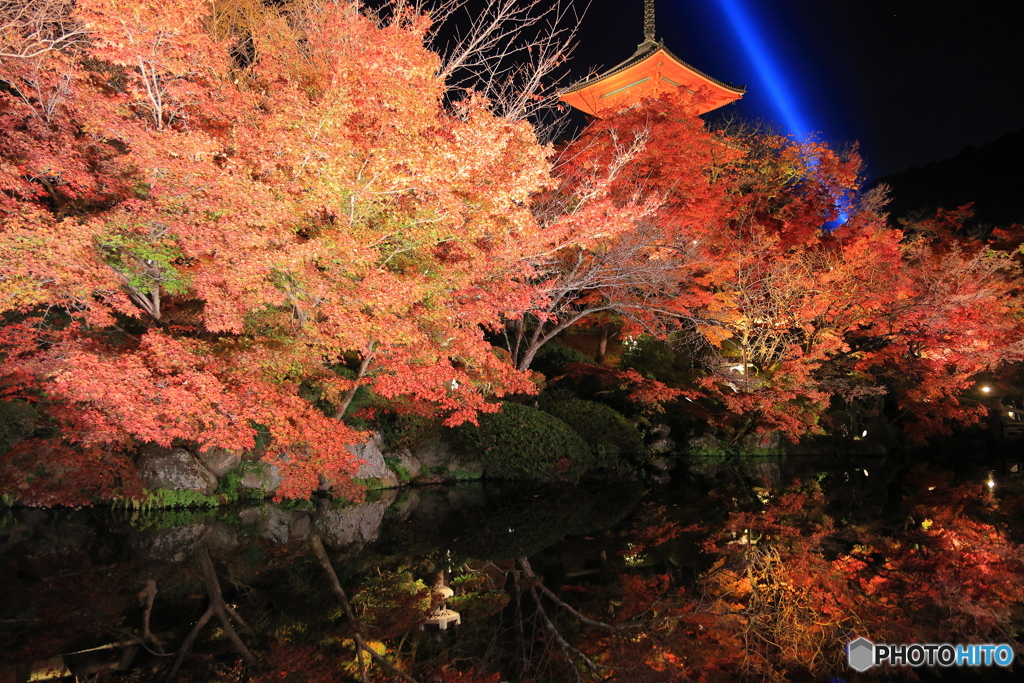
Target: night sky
(911, 81)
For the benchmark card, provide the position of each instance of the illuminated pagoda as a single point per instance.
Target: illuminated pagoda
(649, 72)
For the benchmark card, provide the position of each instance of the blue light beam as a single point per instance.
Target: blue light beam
(772, 77)
(768, 71)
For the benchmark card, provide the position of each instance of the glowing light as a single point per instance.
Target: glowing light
(991, 483)
(773, 80)
(769, 73)
(864, 433)
(986, 389)
(743, 369)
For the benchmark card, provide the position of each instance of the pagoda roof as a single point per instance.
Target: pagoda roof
(650, 71)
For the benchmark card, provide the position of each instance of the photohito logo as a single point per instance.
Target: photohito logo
(862, 654)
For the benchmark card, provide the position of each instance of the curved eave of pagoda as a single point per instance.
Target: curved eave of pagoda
(648, 76)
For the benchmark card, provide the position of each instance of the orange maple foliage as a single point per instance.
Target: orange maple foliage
(203, 212)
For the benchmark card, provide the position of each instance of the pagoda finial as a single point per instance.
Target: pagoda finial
(648, 21)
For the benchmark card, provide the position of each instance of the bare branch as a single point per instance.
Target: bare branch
(29, 28)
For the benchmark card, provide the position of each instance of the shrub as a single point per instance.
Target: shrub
(654, 359)
(552, 358)
(607, 431)
(524, 442)
(405, 431)
(400, 470)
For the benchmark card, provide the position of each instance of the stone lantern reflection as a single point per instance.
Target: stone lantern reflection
(442, 616)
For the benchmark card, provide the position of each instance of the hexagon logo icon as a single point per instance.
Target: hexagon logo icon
(861, 654)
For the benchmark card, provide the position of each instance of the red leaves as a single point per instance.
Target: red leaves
(646, 394)
(261, 222)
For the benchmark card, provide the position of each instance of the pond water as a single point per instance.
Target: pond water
(746, 571)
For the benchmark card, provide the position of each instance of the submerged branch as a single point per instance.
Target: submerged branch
(325, 562)
(221, 610)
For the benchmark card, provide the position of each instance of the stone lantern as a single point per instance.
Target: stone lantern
(442, 616)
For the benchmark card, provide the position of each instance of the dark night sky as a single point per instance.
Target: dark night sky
(911, 81)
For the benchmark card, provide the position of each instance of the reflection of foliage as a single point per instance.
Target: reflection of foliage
(301, 664)
(782, 586)
(476, 605)
(160, 518)
(391, 604)
(519, 527)
(789, 587)
(51, 600)
(523, 442)
(47, 472)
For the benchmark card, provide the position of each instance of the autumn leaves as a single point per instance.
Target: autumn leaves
(223, 219)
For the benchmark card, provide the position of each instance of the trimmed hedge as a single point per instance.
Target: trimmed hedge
(607, 431)
(522, 442)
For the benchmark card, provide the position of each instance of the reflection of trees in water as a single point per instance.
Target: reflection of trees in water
(786, 576)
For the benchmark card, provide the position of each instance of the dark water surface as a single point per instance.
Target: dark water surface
(636, 582)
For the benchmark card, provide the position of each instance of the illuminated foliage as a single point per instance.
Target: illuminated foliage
(206, 206)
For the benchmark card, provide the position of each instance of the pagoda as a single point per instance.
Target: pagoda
(649, 72)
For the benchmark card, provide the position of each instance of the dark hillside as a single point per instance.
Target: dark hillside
(990, 176)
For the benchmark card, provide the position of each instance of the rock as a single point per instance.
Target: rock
(659, 430)
(662, 464)
(704, 443)
(274, 524)
(373, 465)
(271, 521)
(663, 445)
(770, 440)
(220, 538)
(410, 462)
(264, 478)
(355, 524)
(437, 464)
(174, 468)
(62, 536)
(461, 470)
(171, 545)
(436, 455)
(301, 525)
(437, 475)
(220, 461)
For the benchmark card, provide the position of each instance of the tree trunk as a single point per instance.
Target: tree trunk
(602, 345)
(346, 400)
